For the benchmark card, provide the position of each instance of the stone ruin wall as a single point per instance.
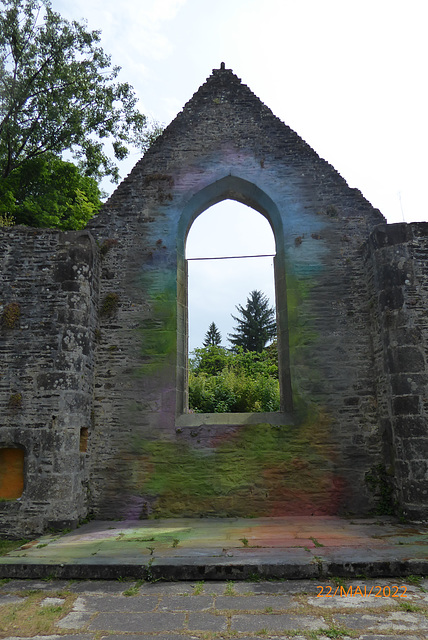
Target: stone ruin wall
(46, 372)
(223, 141)
(95, 355)
(398, 276)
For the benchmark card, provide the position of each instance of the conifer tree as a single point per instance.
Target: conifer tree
(212, 336)
(257, 324)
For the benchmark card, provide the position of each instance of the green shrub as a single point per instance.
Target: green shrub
(224, 382)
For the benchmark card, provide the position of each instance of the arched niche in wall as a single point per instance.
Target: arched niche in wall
(233, 188)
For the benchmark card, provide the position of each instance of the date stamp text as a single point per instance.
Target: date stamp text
(378, 591)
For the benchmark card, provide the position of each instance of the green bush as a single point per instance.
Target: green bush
(224, 382)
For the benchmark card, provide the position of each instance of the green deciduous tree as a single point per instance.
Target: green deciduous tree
(58, 92)
(212, 336)
(46, 191)
(257, 324)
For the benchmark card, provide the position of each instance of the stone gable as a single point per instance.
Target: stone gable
(99, 354)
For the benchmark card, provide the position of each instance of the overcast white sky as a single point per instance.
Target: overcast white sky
(349, 76)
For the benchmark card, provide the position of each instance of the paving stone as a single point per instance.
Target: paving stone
(252, 603)
(219, 588)
(380, 587)
(127, 624)
(173, 588)
(352, 602)
(410, 589)
(396, 620)
(40, 585)
(142, 622)
(206, 622)
(424, 584)
(377, 637)
(118, 603)
(237, 589)
(283, 587)
(80, 636)
(8, 599)
(75, 620)
(52, 602)
(273, 622)
(99, 586)
(140, 636)
(275, 636)
(186, 603)
(404, 621)
(230, 587)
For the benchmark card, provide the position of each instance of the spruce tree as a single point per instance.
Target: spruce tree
(212, 336)
(257, 324)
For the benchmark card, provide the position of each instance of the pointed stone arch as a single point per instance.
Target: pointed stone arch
(233, 188)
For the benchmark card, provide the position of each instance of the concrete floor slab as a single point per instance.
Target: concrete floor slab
(226, 548)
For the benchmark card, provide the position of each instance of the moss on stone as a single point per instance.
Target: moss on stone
(15, 401)
(10, 316)
(258, 470)
(109, 304)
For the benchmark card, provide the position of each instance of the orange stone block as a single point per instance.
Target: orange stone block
(11, 473)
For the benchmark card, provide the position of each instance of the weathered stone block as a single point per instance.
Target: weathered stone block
(391, 298)
(411, 426)
(405, 359)
(404, 405)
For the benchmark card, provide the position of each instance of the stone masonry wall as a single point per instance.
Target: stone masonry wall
(46, 379)
(397, 261)
(93, 341)
(146, 458)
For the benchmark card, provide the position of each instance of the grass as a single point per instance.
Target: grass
(409, 607)
(255, 577)
(198, 588)
(332, 632)
(316, 543)
(338, 581)
(230, 589)
(10, 545)
(134, 590)
(336, 632)
(416, 580)
(28, 618)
